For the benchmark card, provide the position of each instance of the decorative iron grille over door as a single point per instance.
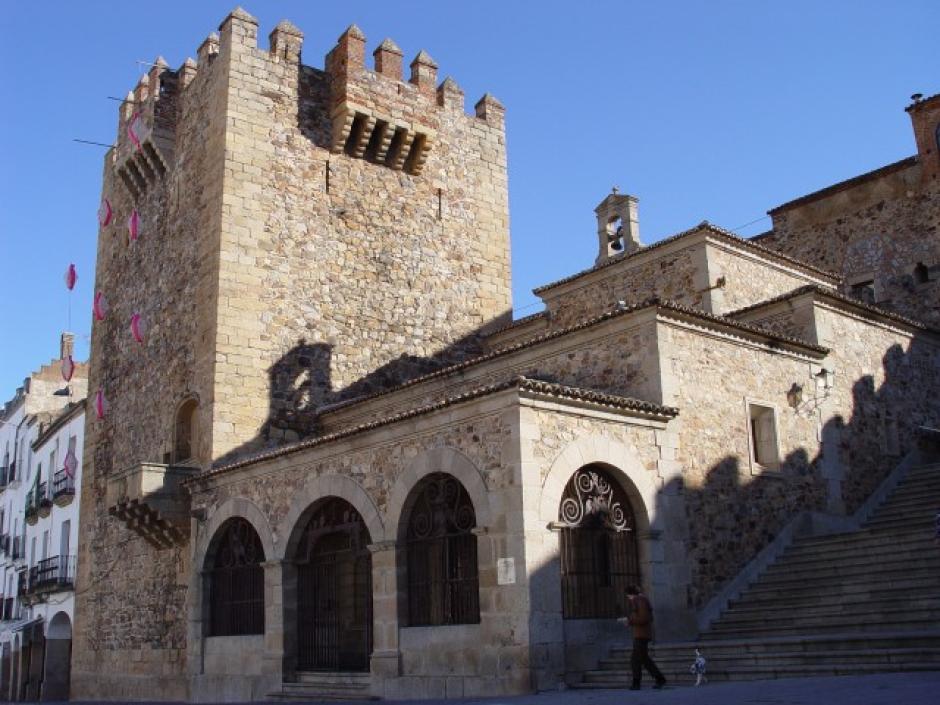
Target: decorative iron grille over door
(598, 546)
(443, 579)
(236, 588)
(334, 591)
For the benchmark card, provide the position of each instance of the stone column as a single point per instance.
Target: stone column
(288, 619)
(386, 657)
(273, 656)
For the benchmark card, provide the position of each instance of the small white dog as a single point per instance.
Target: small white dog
(697, 668)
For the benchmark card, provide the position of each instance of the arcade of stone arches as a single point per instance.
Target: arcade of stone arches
(328, 573)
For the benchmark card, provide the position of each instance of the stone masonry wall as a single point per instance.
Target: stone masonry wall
(883, 226)
(618, 356)
(886, 386)
(331, 263)
(468, 660)
(733, 509)
(679, 276)
(129, 623)
(749, 280)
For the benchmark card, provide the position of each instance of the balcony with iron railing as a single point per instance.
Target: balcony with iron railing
(45, 500)
(32, 508)
(48, 575)
(8, 609)
(63, 488)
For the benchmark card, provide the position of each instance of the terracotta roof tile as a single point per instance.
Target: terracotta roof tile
(525, 384)
(704, 225)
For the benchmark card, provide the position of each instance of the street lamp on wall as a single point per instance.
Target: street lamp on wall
(824, 380)
(822, 384)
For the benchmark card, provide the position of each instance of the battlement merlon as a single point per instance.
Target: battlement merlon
(405, 117)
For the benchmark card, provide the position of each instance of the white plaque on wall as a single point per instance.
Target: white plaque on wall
(506, 571)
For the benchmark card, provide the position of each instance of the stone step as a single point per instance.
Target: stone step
(772, 619)
(844, 641)
(860, 536)
(761, 672)
(913, 497)
(858, 542)
(926, 501)
(921, 487)
(919, 547)
(838, 572)
(683, 661)
(849, 559)
(757, 600)
(857, 605)
(331, 686)
(911, 525)
(926, 513)
(900, 582)
(830, 626)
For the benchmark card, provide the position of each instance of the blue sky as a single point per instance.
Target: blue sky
(717, 111)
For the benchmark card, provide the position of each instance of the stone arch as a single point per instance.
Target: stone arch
(616, 458)
(60, 627)
(308, 498)
(446, 460)
(231, 508)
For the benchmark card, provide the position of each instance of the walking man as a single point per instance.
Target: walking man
(641, 622)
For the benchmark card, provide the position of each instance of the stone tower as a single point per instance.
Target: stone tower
(305, 236)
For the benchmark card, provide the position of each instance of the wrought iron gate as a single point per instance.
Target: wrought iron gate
(598, 546)
(334, 591)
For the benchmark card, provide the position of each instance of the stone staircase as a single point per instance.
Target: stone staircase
(319, 686)
(867, 601)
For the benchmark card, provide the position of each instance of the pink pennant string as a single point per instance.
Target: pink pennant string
(136, 130)
(68, 368)
(138, 328)
(101, 404)
(71, 463)
(100, 307)
(133, 225)
(105, 213)
(71, 276)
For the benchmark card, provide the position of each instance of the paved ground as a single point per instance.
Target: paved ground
(886, 689)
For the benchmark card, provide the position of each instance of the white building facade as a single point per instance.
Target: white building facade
(41, 438)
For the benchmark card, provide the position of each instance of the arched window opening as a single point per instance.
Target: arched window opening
(443, 578)
(334, 590)
(615, 233)
(236, 581)
(921, 273)
(185, 432)
(598, 546)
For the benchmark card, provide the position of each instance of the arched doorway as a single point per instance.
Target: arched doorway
(334, 590)
(56, 671)
(599, 556)
(442, 573)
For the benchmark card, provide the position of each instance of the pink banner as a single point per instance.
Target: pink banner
(71, 276)
(133, 225)
(100, 307)
(105, 213)
(101, 404)
(68, 368)
(138, 328)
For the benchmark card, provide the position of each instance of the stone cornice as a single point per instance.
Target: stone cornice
(533, 387)
(705, 228)
(841, 300)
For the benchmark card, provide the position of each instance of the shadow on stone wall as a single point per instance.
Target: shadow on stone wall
(300, 387)
(733, 514)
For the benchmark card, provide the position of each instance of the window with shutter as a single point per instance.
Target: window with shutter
(763, 427)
